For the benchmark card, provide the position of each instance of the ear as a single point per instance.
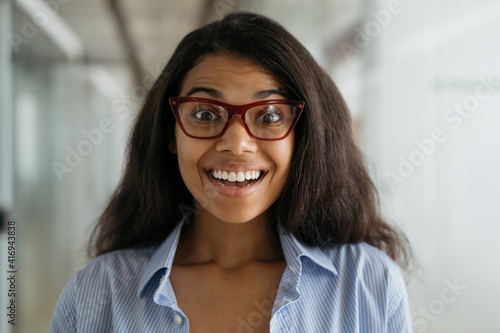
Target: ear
(172, 146)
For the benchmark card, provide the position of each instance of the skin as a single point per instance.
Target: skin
(229, 251)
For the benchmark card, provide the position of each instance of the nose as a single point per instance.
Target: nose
(236, 139)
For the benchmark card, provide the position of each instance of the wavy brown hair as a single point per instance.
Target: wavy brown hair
(329, 198)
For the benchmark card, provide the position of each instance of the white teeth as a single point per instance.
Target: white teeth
(239, 176)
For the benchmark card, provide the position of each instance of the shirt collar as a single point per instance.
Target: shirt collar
(162, 258)
(293, 250)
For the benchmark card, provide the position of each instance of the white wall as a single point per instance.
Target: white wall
(429, 56)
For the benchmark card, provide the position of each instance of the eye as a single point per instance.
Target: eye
(205, 113)
(269, 116)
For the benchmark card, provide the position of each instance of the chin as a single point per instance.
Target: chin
(235, 214)
(235, 219)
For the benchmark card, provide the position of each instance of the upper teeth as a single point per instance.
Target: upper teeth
(232, 176)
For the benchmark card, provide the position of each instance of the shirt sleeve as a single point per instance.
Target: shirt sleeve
(399, 318)
(64, 318)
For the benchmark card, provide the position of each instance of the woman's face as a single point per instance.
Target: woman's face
(202, 162)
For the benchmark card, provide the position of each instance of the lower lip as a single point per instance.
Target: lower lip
(235, 192)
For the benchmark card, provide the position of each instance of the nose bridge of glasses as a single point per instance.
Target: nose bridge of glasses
(232, 122)
(240, 119)
(237, 110)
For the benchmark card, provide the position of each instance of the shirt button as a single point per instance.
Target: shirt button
(177, 319)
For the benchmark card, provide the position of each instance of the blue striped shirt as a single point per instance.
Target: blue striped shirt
(348, 288)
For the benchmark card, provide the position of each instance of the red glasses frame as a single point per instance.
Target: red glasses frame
(239, 110)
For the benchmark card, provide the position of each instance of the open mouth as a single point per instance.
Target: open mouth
(236, 179)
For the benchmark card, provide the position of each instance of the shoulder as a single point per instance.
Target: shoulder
(357, 267)
(116, 263)
(370, 272)
(369, 266)
(109, 271)
(363, 257)
(367, 269)
(378, 283)
(358, 284)
(89, 294)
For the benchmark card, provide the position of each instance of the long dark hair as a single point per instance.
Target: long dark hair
(329, 198)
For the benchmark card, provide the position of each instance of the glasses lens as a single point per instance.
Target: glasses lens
(270, 121)
(202, 119)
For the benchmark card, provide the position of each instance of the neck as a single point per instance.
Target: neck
(208, 240)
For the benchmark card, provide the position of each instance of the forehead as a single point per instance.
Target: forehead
(228, 73)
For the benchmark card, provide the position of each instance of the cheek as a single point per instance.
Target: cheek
(188, 167)
(188, 155)
(281, 153)
(286, 158)
(286, 151)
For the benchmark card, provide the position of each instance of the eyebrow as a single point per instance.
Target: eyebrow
(214, 93)
(269, 92)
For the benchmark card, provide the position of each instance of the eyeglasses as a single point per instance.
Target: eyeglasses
(203, 118)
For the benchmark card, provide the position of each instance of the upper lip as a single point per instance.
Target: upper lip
(236, 167)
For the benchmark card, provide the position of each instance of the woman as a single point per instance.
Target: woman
(245, 205)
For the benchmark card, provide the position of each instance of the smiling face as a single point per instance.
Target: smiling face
(235, 178)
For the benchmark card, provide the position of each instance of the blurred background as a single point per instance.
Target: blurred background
(421, 77)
